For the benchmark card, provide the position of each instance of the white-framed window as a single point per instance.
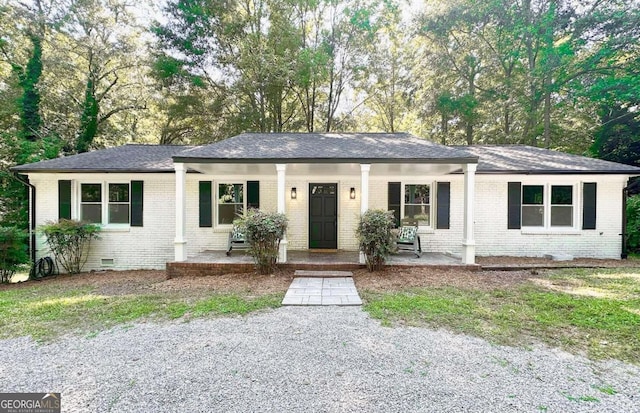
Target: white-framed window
(561, 206)
(416, 202)
(533, 205)
(105, 203)
(230, 202)
(91, 203)
(119, 207)
(548, 206)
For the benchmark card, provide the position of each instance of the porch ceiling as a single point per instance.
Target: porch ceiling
(326, 169)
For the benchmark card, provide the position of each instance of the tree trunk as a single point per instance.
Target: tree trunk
(329, 102)
(30, 119)
(507, 121)
(547, 119)
(444, 126)
(530, 121)
(89, 118)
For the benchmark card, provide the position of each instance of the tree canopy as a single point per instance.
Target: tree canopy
(78, 75)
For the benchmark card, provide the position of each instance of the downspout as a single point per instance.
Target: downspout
(625, 195)
(32, 215)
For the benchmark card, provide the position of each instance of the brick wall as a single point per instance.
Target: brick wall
(151, 246)
(493, 237)
(147, 247)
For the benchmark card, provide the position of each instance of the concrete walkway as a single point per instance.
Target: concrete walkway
(332, 290)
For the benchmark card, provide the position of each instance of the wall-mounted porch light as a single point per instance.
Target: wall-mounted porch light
(294, 193)
(352, 193)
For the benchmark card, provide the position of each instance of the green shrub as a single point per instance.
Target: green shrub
(70, 241)
(13, 252)
(263, 231)
(375, 237)
(633, 223)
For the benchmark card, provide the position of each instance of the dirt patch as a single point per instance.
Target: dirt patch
(544, 262)
(246, 283)
(398, 279)
(425, 277)
(154, 281)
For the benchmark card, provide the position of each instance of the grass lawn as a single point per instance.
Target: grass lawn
(89, 303)
(595, 312)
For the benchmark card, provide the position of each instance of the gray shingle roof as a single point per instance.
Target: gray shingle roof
(326, 147)
(529, 159)
(126, 158)
(371, 147)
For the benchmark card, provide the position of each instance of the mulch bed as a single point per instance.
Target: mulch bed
(544, 262)
(425, 277)
(154, 281)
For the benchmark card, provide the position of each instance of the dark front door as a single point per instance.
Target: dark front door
(323, 216)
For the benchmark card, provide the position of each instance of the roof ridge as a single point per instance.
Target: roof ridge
(324, 133)
(159, 145)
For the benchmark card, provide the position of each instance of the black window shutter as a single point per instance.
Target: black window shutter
(253, 194)
(64, 199)
(443, 203)
(394, 200)
(206, 207)
(515, 205)
(137, 203)
(589, 196)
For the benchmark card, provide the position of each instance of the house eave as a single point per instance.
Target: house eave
(95, 171)
(552, 172)
(468, 160)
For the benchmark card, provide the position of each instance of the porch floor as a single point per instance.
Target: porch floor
(329, 258)
(217, 262)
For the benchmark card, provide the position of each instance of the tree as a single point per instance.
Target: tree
(30, 72)
(24, 139)
(385, 81)
(102, 39)
(618, 138)
(73, 73)
(272, 65)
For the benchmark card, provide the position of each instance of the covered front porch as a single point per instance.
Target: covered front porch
(354, 188)
(323, 183)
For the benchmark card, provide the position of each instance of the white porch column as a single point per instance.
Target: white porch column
(282, 192)
(180, 242)
(364, 195)
(468, 242)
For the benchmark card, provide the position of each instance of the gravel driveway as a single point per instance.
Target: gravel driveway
(309, 359)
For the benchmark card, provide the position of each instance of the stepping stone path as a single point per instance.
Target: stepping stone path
(322, 288)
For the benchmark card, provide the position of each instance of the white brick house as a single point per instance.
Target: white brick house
(166, 203)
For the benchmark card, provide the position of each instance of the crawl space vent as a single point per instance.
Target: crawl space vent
(106, 262)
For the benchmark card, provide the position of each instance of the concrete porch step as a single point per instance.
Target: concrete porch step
(322, 274)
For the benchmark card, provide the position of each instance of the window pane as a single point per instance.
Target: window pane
(532, 195)
(228, 212)
(91, 193)
(417, 212)
(416, 194)
(118, 192)
(562, 195)
(118, 213)
(91, 213)
(230, 193)
(532, 216)
(561, 216)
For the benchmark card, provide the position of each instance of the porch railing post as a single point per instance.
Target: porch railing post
(364, 195)
(468, 242)
(281, 171)
(180, 242)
